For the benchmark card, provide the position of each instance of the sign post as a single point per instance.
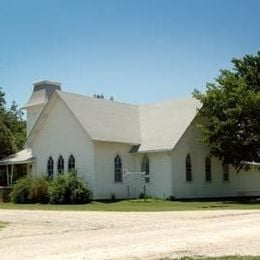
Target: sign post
(134, 180)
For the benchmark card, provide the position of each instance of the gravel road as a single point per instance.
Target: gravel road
(134, 235)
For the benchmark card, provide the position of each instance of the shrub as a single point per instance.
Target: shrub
(57, 190)
(144, 196)
(113, 196)
(39, 190)
(21, 191)
(171, 198)
(29, 190)
(64, 189)
(68, 189)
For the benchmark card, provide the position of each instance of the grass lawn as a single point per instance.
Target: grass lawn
(217, 258)
(2, 225)
(141, 205)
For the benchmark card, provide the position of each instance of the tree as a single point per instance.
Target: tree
(17, 125)
(12, 128)
(231, 108)
(7, 145)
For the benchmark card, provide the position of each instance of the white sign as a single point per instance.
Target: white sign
(133, 177)
(135, 183)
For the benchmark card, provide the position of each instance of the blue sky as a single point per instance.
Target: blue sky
(138, 51)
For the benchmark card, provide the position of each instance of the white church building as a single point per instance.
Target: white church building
(102, 139)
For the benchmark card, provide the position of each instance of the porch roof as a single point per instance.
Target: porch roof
(23, 157)
(257, 164)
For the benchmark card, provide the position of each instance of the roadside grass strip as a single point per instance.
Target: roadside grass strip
(143, 205)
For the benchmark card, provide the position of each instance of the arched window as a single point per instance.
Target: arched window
(60, 165)
(118, 169)
(225, 172)
(71, 163)
(146, 168)
(208, 169)
(50, 167)
(188, 168)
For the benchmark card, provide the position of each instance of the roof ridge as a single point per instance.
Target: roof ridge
(175, 99)
(96, 99)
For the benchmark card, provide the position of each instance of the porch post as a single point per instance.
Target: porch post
(7, 175)
(27, 170)
(12, 174)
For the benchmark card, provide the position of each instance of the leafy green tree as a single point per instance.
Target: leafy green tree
(17, 125)
(12, 128)
(7, 145)
(231, 107)
(2, 104)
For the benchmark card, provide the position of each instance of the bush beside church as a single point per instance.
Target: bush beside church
(63, 189)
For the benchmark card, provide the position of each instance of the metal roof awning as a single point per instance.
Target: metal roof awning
(23, 157)
(257, 164)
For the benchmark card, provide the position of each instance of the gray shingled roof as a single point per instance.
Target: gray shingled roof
(153, 127)
(105, 120)
(163, 124)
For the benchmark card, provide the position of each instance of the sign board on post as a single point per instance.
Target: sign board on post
(135, 181)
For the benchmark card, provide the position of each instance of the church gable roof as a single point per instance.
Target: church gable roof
(150, 128)
(153, 127)
(105, 120)
(163, 124)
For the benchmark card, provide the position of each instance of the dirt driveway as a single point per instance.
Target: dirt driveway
(114, 235)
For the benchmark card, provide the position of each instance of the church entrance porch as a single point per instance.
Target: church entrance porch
(12, 168)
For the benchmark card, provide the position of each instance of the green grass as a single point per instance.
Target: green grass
(235, 257)
(140, 205)
(2, 225)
